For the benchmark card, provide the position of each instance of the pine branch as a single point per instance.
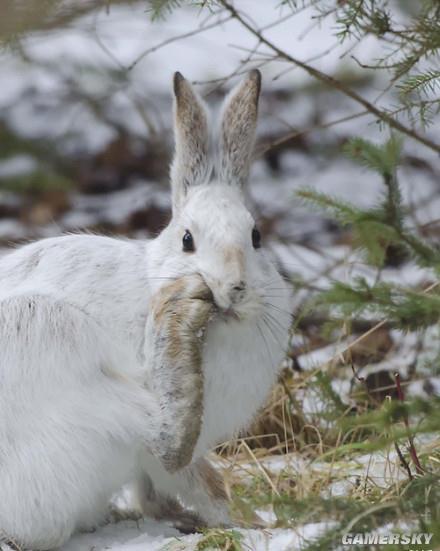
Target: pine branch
(331, 81)
(423, 83)
(406, 308)
(160, 8)
(382, 158)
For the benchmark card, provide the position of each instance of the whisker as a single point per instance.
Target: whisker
(275, 284)
(284, 290)
(273, 295)
(278, 309)
(163, 278)
(271, 330)
(275, 280)
(275, 323)
(268, 327)
(292, 264)
(269, 355)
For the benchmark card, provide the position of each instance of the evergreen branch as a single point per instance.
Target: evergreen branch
(373, 329)
(422, 83)
(407, 308)
(159, 8)
(383, 159)
(331, 81)
(344, 212)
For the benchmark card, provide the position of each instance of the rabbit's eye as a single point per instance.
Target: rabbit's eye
(256, 238)
(188, 242)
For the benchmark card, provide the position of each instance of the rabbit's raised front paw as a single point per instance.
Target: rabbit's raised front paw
(179, 316)
(187, 300)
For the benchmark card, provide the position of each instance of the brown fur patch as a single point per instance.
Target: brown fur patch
(212, 479)
(180, 311)
(235, 257)
(160, 301)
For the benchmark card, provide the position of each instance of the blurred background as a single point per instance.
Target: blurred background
(86, 115)
(86, 142)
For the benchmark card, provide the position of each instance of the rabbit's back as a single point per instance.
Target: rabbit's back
(104, 277)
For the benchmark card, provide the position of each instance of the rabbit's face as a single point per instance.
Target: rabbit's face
(212, 232)
(215, 235)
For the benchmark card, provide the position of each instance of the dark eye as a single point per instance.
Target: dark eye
(188, 242)
(256, 238)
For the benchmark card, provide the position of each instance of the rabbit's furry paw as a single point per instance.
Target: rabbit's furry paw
(179, 316)
(187, 301)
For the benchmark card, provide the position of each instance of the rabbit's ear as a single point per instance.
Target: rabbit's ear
(191, 164)
(237, 133)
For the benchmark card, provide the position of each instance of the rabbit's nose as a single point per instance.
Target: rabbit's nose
(237, 292)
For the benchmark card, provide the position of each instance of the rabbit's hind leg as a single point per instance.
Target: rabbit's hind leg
(164, 507)
(203, 490)
(192, 499)
(7, 544)
(66, 433)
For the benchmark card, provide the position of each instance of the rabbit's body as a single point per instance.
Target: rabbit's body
(69, 429)
(111, 281)
(81, 374)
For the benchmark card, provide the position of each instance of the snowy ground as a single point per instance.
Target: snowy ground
(155, 536)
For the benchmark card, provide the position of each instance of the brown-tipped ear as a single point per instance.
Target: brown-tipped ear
(191, 158)
(238, 126)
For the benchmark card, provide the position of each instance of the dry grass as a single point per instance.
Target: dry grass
(298, 466)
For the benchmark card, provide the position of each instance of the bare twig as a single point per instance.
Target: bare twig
(412, 448)
(331, 81)
(295, 134)
(403, 461)
(193, 32)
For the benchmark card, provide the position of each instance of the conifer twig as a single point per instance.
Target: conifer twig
(330, 81)
(377, 326)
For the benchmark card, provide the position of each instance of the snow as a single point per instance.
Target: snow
(15, 166)
(155, 536)
(94, 56)
(128, 32)
(11, 230)
(127, 535)
(114, 207)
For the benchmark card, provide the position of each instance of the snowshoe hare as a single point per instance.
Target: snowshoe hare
(128, 360)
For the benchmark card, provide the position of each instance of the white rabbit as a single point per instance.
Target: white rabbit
(98, 385)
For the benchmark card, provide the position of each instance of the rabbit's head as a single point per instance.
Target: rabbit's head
(211, 231)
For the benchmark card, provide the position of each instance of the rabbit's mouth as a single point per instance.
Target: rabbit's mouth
(242, 311)
(228, 314)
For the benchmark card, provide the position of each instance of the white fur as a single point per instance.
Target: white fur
(76, 413)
